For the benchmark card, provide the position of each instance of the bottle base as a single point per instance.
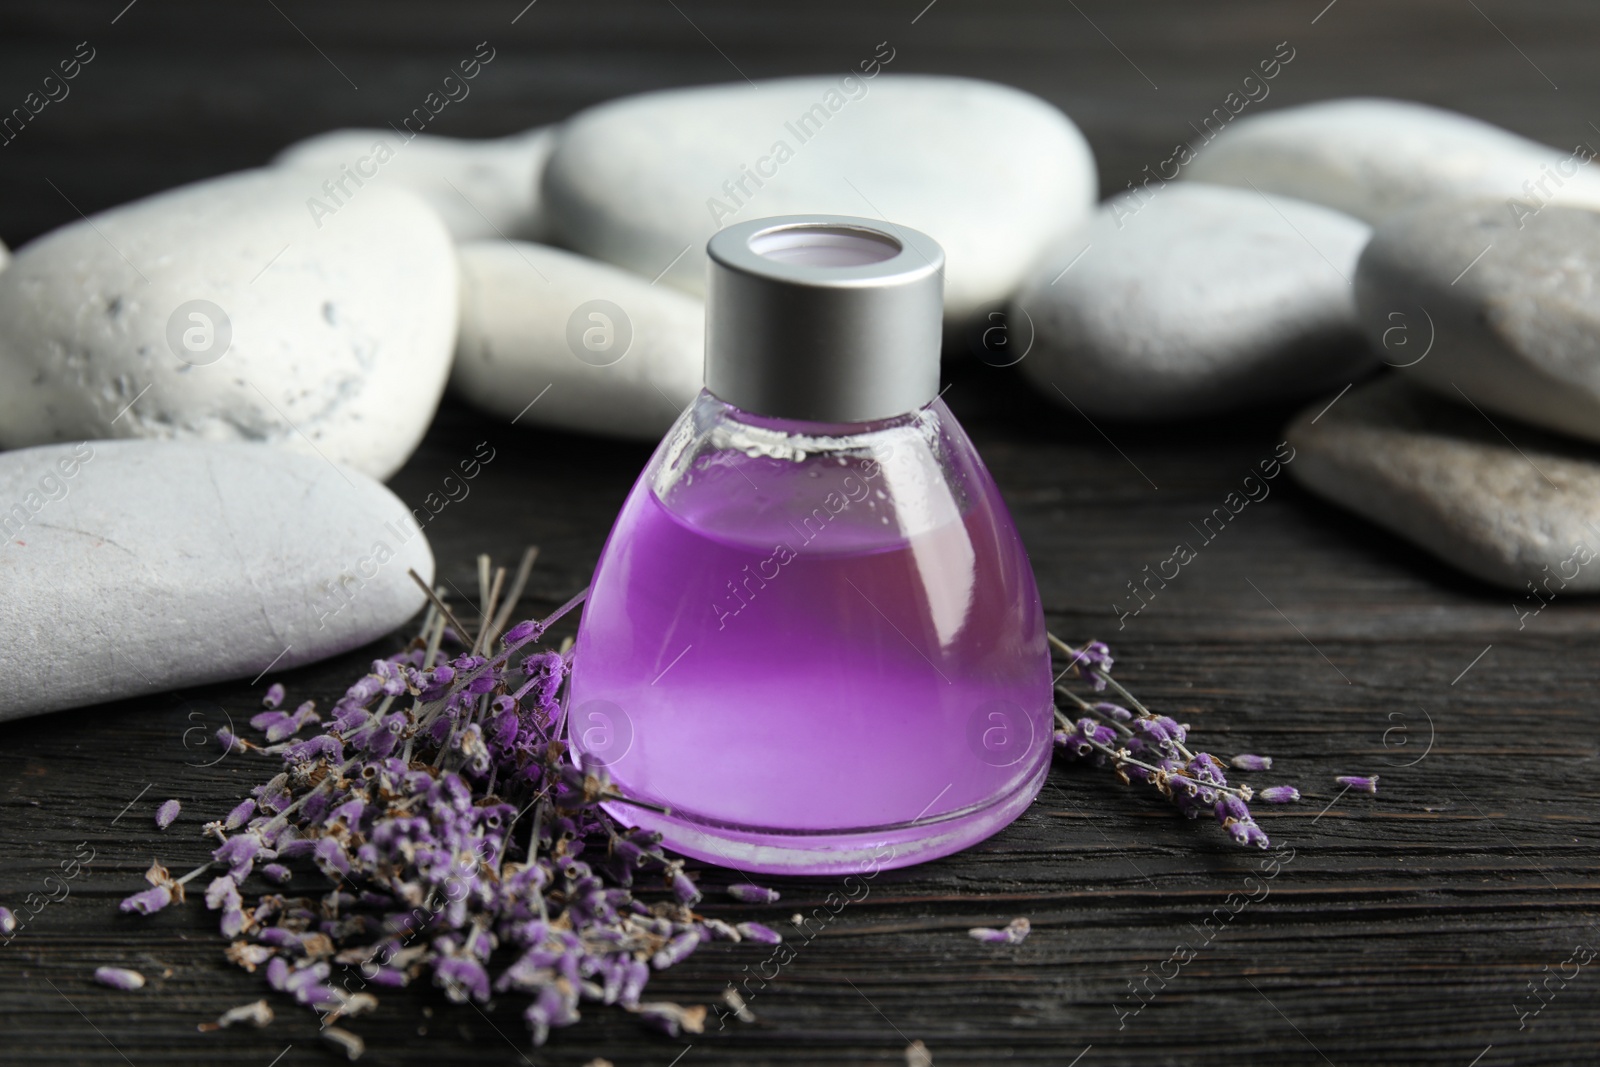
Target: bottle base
(768, 851)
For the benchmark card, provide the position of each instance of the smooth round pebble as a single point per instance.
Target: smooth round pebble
(1197, 299)
(1438, 475)
(224, 311)
(135, 567)
(1372, 157)
(1487, 312)
(549, 338)
(480, 188)
(990, 172)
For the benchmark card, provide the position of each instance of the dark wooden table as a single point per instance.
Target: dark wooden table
(1408, 927)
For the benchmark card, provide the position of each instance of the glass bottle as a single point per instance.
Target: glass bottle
(813, 634)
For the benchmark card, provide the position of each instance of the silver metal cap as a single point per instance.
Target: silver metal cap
(824, 318)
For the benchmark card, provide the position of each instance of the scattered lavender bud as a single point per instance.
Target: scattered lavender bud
(257, 1014)
(167, 813)
(8, 921)
(277, 872)
(752, 894)
(119, 978)
(1251, 763)
(1359, 783)
(344, 1041)
(1014, 933)
(1280, 794)
(759, 933)
(677, 950)
(274, 697)
(149, 901)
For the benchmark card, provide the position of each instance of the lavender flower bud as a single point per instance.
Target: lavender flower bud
(274, 697)
(759, 933)
(239, 815)
(1280, 794)
(1014, 933)
(8, 921)
(1251, 763)
(167, 813)
(677, 950)
(1359, 783)
(752, 894)
(119, 978)
(683, 887)
(149, 901)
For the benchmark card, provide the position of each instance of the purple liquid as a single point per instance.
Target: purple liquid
(776, 661)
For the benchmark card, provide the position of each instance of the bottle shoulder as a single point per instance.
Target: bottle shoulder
(746, 480)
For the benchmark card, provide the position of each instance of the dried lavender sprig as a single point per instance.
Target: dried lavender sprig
(1122, 757)
(1202, 784)
(397, 839)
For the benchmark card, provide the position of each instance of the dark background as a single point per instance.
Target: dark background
(1408, 925)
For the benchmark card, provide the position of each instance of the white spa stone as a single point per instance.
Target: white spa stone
(990, 172)
(1199, 299)
(1372, 157)
(135, 567)
(1437, 474)
(225, 311)
(590, 346)
(480, 188)
(1484, 311)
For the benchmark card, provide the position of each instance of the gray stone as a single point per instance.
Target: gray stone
(1504, 314)
(133, 567)
(225, 310)
(482, 188)
(590, 346)
(1197, 299)
(1440, 475)
(990, 172)
(1373, 157)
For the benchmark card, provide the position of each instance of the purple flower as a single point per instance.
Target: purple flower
(1251, 763)
(1014, 933)
(759, 933)
(752, 894)
(1280, 794)
(240, 815)
(8, 921)
(119, 978)
(166, 813)
(683, 886)
(149, 901)
(240, 852)
(461, 977)
(1236, 819)
(274, 696)
(677, 950)
(1358, 783)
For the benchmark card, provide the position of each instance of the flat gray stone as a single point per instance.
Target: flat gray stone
(480, 188)
(1438, 474)
(1503, 314)
(229, 310)
(134, 567)
(1372, 157)
(550, 338)
(990, 172)
(1197, 299)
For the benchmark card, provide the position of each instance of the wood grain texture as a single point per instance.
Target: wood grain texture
(1405, 929)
